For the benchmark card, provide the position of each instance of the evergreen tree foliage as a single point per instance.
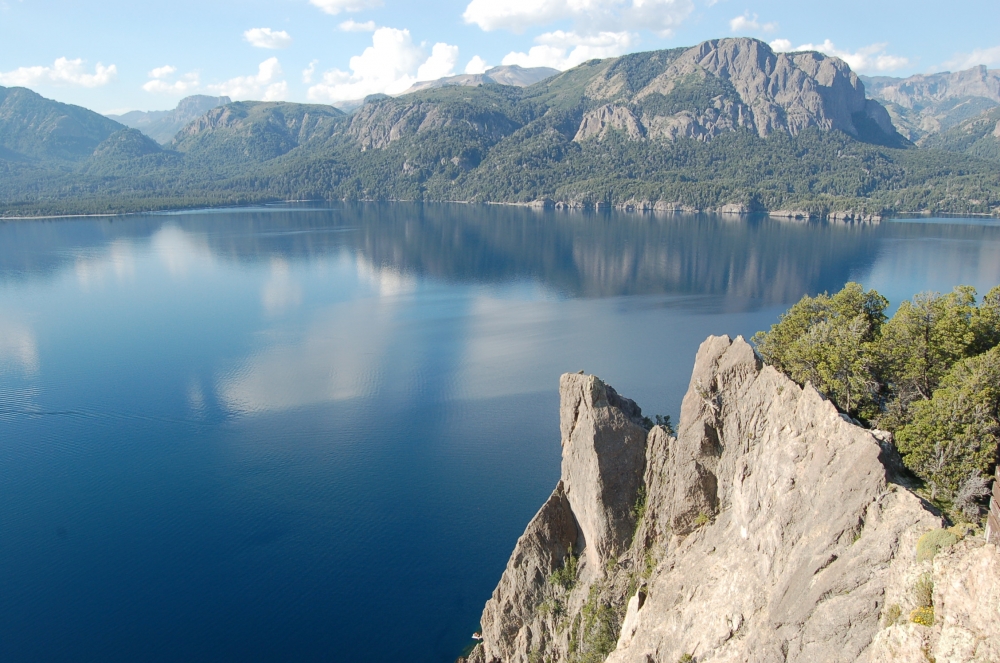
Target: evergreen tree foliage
(829, 341)
(953, 435)
(930, 374)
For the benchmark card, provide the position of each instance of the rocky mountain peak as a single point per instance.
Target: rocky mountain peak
(726, 84)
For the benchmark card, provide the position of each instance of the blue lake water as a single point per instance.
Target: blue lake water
(314, 434)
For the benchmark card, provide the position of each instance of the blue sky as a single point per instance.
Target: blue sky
(115, 55)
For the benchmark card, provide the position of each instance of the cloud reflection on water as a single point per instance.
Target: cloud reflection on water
(18, 348)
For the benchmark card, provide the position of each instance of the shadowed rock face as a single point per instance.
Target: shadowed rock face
(770, 533)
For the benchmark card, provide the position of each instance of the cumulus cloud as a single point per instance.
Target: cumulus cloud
(984, 56)
(563, 50)
(159, 81)
(476, 65)
(268, 38)
(588, 16)
(390, 65)
(868, 58)
(309, 72)
(441, 63)
(748, 23)
(350, 25)
(263, 86)
(337, 6)
(162, 72)
(63, 71)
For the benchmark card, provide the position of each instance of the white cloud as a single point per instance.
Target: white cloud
(157, 84)
(441, 63)
(476, 65)
(63, 71)
(268, 38)
(350, 25)
(264, 86)
(162, 72)
(748, 23)
(309, 72)
(589, 16)
(337, 6)
(868, 58)
(390, 65)
(563, 50)
(986, 56)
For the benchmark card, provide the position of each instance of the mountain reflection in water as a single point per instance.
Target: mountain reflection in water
(278, 433)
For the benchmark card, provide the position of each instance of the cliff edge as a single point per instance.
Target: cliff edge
(768, 529)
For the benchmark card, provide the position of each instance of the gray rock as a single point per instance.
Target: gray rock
(598, 122)
(786, 92)
(604, 456)
(966, 629)
(542, 549)
(771, 532)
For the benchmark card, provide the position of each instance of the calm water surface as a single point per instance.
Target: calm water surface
(303, 434)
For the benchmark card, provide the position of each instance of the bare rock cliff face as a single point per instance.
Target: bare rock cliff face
(771, 92)
(767, 530)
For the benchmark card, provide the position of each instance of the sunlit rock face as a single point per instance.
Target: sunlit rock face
(724, 85)
(768, 529)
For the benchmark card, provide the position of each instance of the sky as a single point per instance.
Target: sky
(113, 56)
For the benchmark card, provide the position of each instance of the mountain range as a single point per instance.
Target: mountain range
(727, 124)
(924, 105)
(504, 75)
(162, 126)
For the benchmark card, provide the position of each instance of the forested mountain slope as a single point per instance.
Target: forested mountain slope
(728, 122)
(978, 136)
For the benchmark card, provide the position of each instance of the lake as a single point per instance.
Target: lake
(301, 433)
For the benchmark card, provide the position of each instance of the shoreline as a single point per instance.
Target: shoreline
(730, 210)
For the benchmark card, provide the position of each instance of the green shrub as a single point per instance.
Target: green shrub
(649, 563)
(931, 543)
(701, 519)
(639, 508)
(923, 591)
(600, 628)
(962, 530)
(923, 616)
(685, 658)
(892, 615)
(565, 577)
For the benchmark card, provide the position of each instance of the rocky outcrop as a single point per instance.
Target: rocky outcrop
(752, 88)
(965, 580)
(768, 529)
(604, 457)
(598, 122)
(379, 123)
